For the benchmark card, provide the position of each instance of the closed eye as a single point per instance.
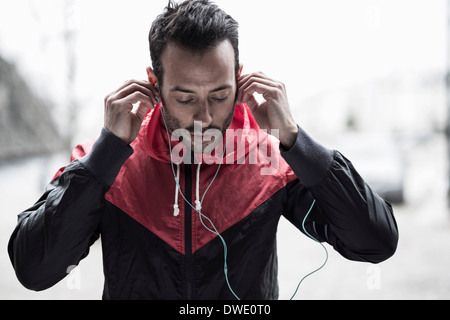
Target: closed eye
(185, 102)
(219, 99)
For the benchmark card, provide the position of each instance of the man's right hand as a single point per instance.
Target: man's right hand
(120, 117)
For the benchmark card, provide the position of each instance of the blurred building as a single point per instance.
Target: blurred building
(377, 123)
(405, 105)
(26, 123)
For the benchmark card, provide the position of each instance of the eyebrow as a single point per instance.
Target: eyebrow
(180, 89)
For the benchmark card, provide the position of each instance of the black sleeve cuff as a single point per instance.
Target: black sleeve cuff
(309, 160)
(106, 157)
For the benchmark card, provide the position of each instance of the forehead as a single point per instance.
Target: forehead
(207, 67)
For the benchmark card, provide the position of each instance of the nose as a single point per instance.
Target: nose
(203, 114)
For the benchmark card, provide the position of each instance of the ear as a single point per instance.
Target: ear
(151, 76)
(241, 66)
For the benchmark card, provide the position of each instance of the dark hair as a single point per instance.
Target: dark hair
(194, 24)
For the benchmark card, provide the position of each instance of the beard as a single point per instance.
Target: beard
(173, 124)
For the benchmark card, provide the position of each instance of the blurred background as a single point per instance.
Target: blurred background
(366, 77)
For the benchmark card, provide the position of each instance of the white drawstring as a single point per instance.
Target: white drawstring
(198, 204)
(176, 209)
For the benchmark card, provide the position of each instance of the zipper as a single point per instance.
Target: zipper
(189, 261)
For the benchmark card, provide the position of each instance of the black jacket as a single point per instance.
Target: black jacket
(152, 250)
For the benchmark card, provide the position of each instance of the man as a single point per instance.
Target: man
(201, 225)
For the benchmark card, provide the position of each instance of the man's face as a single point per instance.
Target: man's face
(198, 86)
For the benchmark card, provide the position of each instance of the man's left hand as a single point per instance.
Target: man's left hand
(274, 112)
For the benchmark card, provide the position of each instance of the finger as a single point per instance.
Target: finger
(132, 86)
(254, 75)
(258, 74)
(252, 104)
(135, 87)
(145, 88)
(242, 81)
(267, 91)
(127, 103)
(142, 109)
(125, 84)
(260, 78)
(248, 80)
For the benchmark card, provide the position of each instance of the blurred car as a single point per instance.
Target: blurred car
(378, 159)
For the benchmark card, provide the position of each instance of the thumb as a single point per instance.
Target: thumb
(251, 102)
(141, 109)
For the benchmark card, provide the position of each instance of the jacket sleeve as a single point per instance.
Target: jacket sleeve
(347, 214)
(56, 232)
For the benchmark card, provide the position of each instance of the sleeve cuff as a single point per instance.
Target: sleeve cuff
(309, 160)
(106, 157)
